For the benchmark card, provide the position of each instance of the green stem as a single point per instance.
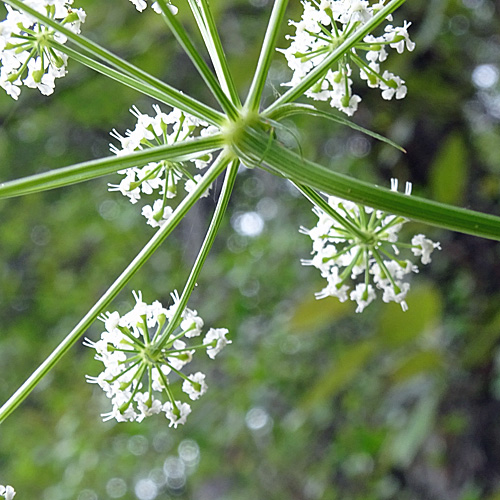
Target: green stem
(200, 65)
(206, 24)
(266, 54)
(167, 387)
(322, 204)
(20, 395)
(202, 255)
(290, 165)
(319, 71)
(200, 21)
(175, 370)
(131, 82)
(383, 268)
(175, 98)
(80, 172)
(190, 348)
(137, 377)
(171, 340)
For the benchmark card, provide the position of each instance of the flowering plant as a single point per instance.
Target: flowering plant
(357, 234)
(142, 344)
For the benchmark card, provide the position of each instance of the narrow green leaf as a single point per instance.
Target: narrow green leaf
(425, 307)
(291, 109)
(423, 362)
(311, 314)
(482, 341)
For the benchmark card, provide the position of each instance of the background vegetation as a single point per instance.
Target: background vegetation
(310, 401)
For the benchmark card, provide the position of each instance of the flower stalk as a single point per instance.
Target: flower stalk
(172, 96)
(208, 28)
(320, 71)
(300, 170)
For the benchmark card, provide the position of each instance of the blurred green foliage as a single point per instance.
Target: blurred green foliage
(310, 401)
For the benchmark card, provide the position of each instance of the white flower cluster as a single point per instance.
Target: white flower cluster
(7, 492)
(358, 242)
(137, 367)
(324, 26)
(140, 5)
(26, 53)
(162, 176)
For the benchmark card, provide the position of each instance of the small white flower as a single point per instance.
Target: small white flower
(423, 247)
(182, 358)
(191, 324)
(195, 386)
(45, 83)
(362, 295)
(396, 88)
(216, 341)
(191, 184)
(147, 405)
(119, 412)
(171, 7)
(111, 321)
(140, 5)
(398, 296)
(177, 416)
(127, 187)
(335, 287)
(158, 380)
(7, 492)
(399, 37)
(158, 214)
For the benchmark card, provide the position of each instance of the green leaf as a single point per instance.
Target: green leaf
(482, 343)
(396, 328)
(448, 174)
(342, 371)
(311, 314)
(401, 449)
(421, 362)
